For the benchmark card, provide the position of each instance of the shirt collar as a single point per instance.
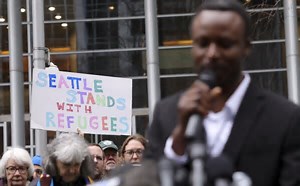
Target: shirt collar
(234, 101)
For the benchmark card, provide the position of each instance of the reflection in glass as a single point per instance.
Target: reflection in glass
(87, 9)
(4, 68)
(121, 64)
(273, 81)
(266, 56)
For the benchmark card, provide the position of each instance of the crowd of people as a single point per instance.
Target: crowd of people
(231, 123)
(69, 160)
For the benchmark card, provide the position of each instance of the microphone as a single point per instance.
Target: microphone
(241, 179)
(195, 134)
(219, 171)
(166, 172)
(192, 131)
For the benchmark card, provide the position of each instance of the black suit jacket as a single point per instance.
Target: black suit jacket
(264, 141)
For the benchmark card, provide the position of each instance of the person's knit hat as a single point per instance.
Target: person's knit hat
(37, 160)
(107, 144)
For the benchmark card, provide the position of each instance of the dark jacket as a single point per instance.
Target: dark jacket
(264, 141)
(56, 181)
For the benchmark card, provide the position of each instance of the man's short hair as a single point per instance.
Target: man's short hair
(227, 5)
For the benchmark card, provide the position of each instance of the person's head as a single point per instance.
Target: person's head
(110, 150)
(37, 165)
(133, 148)
(16, 167)
(68, 158)
(220, 33)
(98, 158)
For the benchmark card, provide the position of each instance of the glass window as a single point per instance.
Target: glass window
(95, 35)
(189, 6)
(267, 25)
(273, 81)
(177, 6)
(4, 69)
(9, 134)
(174, 31)
(87, 9)
(257, 4)
(141, 124)
(4, 39)
(5, 99)
(175, 61)
(139, 93)
(172, 85)
(266, 56)
(120, 64)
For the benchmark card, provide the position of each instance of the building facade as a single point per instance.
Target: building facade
(108, 38)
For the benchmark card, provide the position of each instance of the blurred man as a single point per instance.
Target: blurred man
(98, 158)
(258, 130)
(110, 154)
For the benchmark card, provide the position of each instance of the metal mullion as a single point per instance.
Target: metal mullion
(99, 51)
(95, 19)
(142, 48)
(8, 84)
(193, 74)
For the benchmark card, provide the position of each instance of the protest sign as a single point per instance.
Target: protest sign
(65, 101)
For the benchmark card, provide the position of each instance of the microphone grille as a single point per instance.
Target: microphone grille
(208, 77)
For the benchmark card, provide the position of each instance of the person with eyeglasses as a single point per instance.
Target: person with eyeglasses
(38, 169)
(16, 168)
(131, 155)
(37, 165)
(97, 156)
(133, 148)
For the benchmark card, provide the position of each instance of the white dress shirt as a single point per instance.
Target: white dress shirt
(217, 125)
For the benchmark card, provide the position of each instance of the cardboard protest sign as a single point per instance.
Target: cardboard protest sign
(64, 101)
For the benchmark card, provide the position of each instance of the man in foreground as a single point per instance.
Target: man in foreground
(258, 130)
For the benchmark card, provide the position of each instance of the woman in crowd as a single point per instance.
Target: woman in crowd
(16, 168)
(67, 162)
(133, 148)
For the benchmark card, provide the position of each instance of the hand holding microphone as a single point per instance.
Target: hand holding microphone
(194, 103)
(202, 97)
